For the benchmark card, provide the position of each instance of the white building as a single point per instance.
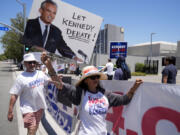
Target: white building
(159, 48)
(138, 53)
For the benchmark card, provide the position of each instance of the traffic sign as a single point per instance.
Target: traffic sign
(118, 49)
(4, 28)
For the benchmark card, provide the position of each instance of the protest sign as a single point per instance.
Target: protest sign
(79, 28)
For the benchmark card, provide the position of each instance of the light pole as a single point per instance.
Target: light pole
(24, 15)
(151, 46)
(24, 12)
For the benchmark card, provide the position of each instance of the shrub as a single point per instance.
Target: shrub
(139, 67)
(138, 74)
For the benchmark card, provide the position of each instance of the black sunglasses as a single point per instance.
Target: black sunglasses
(94, 77)
(31, 62)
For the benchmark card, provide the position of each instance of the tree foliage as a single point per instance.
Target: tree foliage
(2, 57)
(13, 49)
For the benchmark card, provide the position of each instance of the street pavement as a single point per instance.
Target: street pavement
(154, 78)
(6, 81)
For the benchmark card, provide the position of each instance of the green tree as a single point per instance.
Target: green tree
(13, 49)
(2, 57)
(139, 67)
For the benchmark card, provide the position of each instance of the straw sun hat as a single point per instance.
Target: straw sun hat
(90, 71)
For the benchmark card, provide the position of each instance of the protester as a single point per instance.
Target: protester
(122, 72)
(29, 87)
(72, 68)
(169, 73)
(43, 35)
(95, 100)
(118, 75)
(66, 68)
(109, 66)
(77, 70)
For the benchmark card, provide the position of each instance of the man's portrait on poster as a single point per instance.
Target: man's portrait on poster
(42, 35)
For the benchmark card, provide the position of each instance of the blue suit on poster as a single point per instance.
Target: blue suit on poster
(33, 37)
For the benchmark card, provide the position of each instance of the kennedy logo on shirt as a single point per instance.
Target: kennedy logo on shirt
(97, 106)
(36, 83)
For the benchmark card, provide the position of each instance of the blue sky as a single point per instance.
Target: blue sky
(138, 17)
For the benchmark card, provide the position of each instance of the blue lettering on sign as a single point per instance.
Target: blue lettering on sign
(63, 119)
(4, 28)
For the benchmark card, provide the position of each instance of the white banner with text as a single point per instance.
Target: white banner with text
(154, 110)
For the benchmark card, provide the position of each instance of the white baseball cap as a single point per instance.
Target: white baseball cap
(29, 57)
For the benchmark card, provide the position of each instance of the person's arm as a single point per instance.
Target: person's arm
(164, 79)
(70, 92)
(55, 79)
(131, 92)
(66, 51)
(13, 99)
(104, 68)
(116, 99)
(165, 74)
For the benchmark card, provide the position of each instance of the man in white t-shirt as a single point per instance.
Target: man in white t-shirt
(109, 66)
(29, 86)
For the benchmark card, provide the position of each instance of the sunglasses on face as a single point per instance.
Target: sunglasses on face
(31, 62)
(94, 77)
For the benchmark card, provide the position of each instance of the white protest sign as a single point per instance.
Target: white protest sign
(79, 28)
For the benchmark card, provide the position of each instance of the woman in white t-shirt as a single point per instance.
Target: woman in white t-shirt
(94, 100)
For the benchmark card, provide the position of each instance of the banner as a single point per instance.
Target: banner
(63, 115)
(79, 28)
(154, 110)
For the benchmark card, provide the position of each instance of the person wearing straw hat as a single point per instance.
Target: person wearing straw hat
(29, 86)
(95, 100)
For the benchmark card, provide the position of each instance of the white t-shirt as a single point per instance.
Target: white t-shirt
(93, 113)
(30, 87)
(110, 67)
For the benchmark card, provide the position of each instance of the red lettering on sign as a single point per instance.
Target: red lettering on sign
(116, 118)
(153, 115)
(130, 132)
